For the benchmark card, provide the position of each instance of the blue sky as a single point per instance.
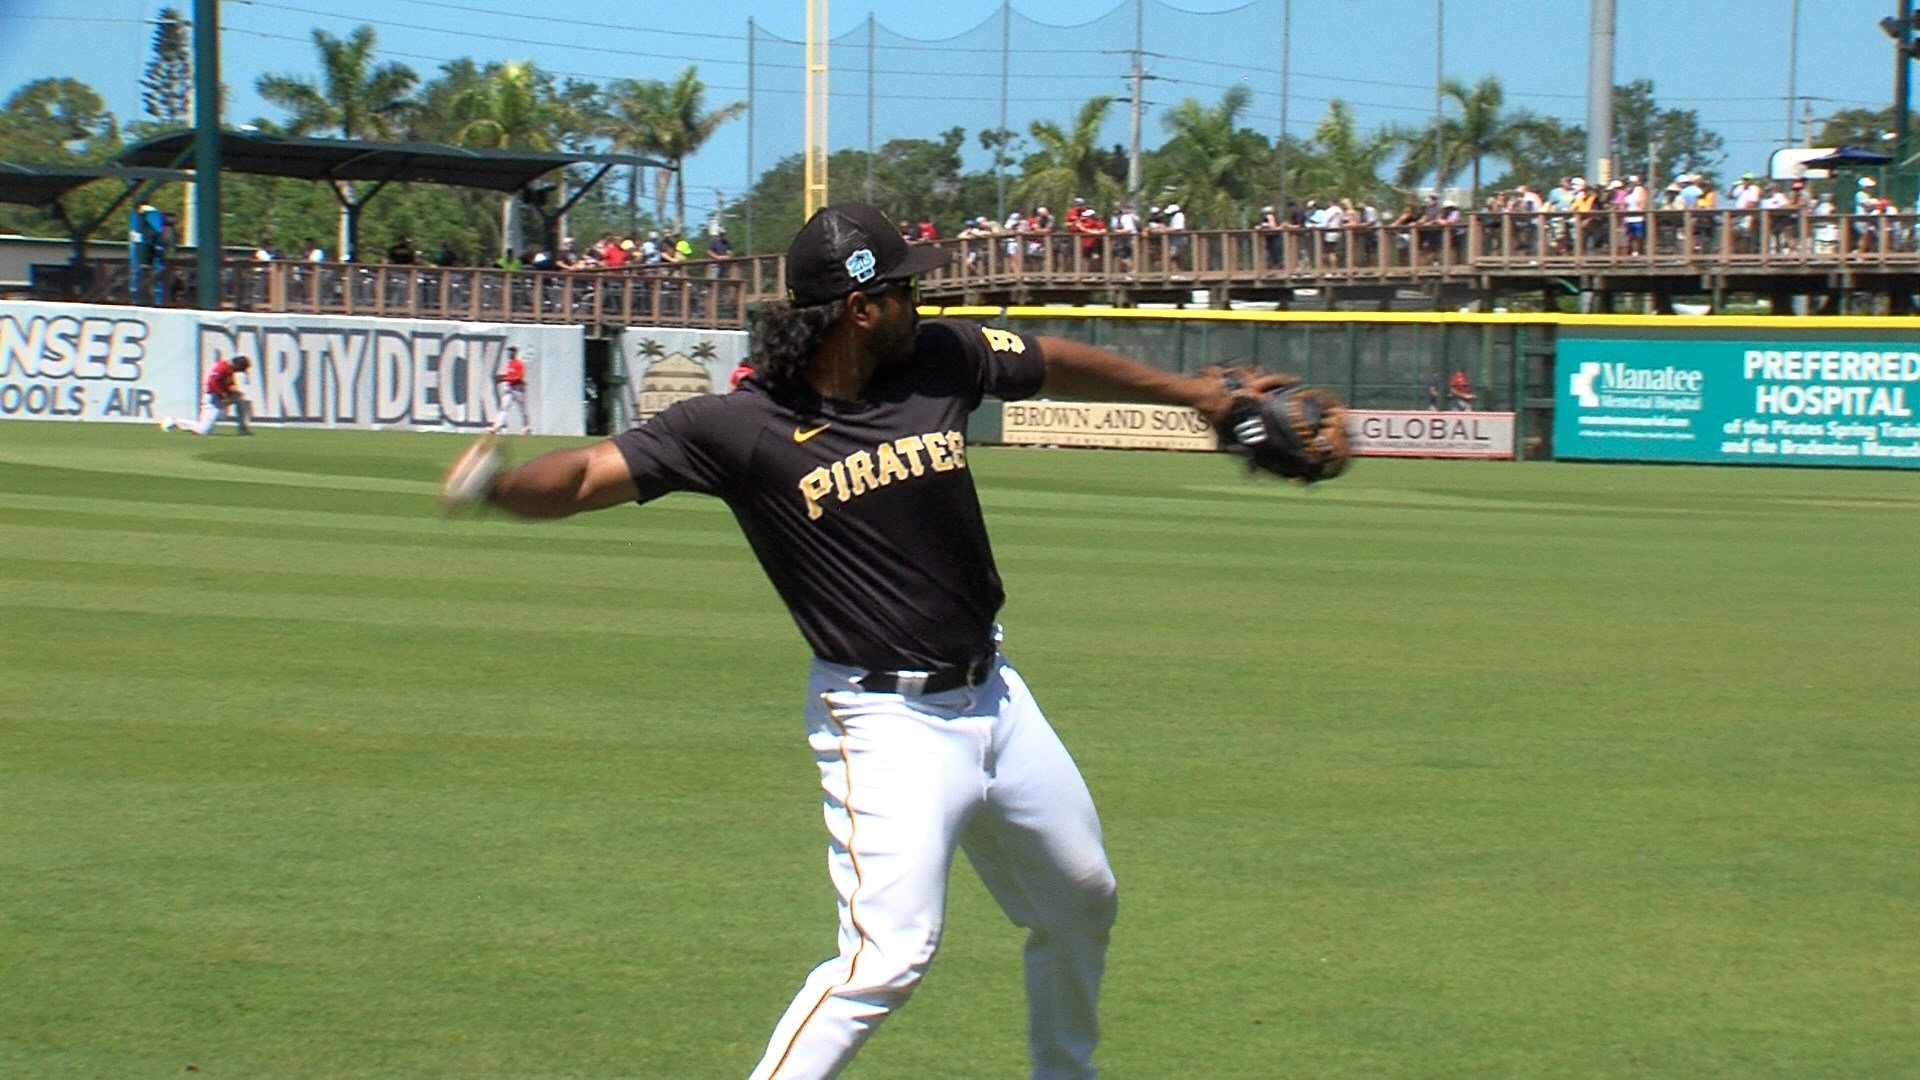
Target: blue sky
(938, 64)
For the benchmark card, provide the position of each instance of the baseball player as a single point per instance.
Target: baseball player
(513, 393)
(221, 391)
(844, 458)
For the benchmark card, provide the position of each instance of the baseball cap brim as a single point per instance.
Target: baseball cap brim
(920, 259)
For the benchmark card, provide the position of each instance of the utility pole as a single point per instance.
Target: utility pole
(1133, 146)
(1793, 67)
(867, 191)
(753, 107)
(1000, 152)
(206, 152)
(1600, 94)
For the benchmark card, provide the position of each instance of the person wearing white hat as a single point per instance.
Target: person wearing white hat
(1746, 196)
(1865, 202)
(1175, 224)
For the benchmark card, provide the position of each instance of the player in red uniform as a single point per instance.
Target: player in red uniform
(220, 392)
(513, 393)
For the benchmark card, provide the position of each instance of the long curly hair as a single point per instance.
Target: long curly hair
(784, 337)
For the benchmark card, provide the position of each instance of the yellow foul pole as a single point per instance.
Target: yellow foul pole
(816, 151)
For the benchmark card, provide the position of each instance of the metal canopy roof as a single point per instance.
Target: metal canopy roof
(44, 185)
(342, 159)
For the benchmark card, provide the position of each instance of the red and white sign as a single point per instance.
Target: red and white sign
(1406, 433)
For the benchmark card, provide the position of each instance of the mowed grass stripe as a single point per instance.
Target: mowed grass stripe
(1452, 770)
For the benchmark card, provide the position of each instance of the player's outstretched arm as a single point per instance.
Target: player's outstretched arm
(1078, 370)
(554, 485)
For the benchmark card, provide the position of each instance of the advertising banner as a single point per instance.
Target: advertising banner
(1115, 427)
(1775, 402)
(1406, 433)
(665, 365)
(99, 363)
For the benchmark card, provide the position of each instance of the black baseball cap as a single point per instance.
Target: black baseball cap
(850, 246)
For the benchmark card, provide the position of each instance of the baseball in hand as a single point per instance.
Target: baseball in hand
(470, 480)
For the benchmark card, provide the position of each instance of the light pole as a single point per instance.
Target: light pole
(1600, 94)
(1439, 78)
(1286, 94)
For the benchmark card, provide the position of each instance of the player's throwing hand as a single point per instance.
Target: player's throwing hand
(470, 481)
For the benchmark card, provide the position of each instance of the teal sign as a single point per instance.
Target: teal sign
(1774, 402)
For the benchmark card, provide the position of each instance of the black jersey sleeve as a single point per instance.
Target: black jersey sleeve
(1001, 363)
(690, 446)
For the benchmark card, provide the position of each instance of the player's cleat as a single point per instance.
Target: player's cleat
(166, 423)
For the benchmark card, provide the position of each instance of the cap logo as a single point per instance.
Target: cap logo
(860, 265)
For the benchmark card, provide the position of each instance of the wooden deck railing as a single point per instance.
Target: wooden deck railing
(1485, 250)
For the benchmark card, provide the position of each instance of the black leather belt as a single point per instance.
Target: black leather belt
(928, 682)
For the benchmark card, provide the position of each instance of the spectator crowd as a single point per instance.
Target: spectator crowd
(1574, 216)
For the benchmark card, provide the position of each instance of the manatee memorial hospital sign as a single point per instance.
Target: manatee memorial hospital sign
(1787, 400)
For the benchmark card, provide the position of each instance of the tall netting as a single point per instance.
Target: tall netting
(1373, 365)
(1009, 70)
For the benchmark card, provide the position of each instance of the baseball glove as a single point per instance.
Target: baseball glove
(1296, 432)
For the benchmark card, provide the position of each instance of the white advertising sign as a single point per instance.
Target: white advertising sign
(1099, 424)
(665, 365)
(99, 363)
(1406, 433)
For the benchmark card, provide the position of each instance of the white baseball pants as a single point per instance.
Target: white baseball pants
(211, 410)
(513, 402)
(907, 779)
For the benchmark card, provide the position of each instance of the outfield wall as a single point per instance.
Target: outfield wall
(1712, 389)
(78, 362)
(1707, 389)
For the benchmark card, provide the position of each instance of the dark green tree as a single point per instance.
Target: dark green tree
(1866, 128)
(58, 121)
(1663, 142)
(166, 88)
(1545, 151)
(915, 177)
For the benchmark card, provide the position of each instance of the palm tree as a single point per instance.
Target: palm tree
(630, 121)
(1068, 160)
(683, 126)
(1210, 164)
(1340, 162)
(507, 110)
(354, 97)
(1478, 132)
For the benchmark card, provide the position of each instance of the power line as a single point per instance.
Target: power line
(74, 19)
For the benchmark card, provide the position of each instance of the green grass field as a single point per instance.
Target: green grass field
(1444, 770)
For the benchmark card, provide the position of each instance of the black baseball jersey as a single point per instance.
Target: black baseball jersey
(862, 513)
